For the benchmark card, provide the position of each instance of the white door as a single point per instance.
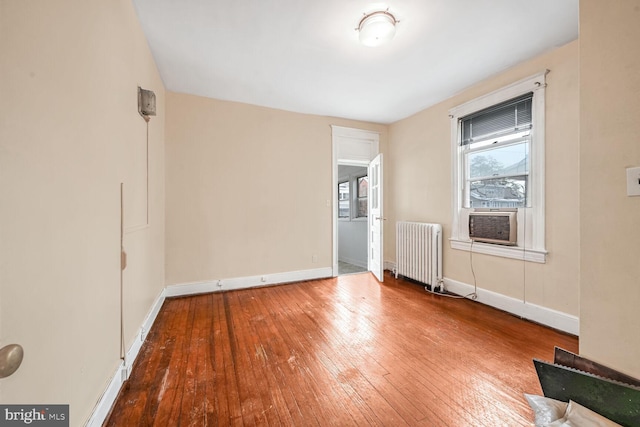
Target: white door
(376, 219)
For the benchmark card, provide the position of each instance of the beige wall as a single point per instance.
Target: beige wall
(249, 189)
(69, 135)
(419, 173)
(610, 221)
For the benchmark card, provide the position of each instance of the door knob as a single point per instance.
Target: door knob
(10, 359)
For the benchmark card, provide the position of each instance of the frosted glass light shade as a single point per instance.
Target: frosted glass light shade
(377, 28)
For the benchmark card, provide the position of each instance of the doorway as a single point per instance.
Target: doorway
(353, 208)
(359, 149)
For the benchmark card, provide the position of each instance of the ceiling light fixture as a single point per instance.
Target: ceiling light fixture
(377, 28)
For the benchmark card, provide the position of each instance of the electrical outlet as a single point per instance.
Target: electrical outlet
(314, 258)
(633, 181)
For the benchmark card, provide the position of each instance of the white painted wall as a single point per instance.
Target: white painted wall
(352, 242)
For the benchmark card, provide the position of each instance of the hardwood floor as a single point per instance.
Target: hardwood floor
(344, 351)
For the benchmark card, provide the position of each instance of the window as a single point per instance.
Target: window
(353, 188)
(498, 163)
(495, 150)
(362, 203)
(344, 203)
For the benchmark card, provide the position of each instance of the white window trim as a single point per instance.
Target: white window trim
(531, 221)
(345, 218)
(353, 197)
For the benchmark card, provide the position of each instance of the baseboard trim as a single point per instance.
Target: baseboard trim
(246, 282)
(390, 265)
(546, 316)
(130, 356)
(543, 315)
(356, 262)
(108, 398)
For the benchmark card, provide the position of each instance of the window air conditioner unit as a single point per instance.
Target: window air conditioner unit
(493, 227)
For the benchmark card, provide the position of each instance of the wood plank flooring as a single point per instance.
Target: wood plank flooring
(348, 351)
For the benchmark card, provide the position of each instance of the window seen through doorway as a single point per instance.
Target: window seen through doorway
(363, 189)
(353, 189)
(344, 205)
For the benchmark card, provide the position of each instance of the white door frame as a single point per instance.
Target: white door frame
(350, 146)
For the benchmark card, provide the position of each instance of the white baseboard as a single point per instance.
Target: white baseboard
(356, 262)
(246, 282)
(130, 356)
(546, 316)
(390, 265)
(123, 370)
(100, 412)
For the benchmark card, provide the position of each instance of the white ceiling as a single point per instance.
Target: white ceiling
(304, 56)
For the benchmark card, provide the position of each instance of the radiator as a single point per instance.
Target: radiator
(419, 252)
